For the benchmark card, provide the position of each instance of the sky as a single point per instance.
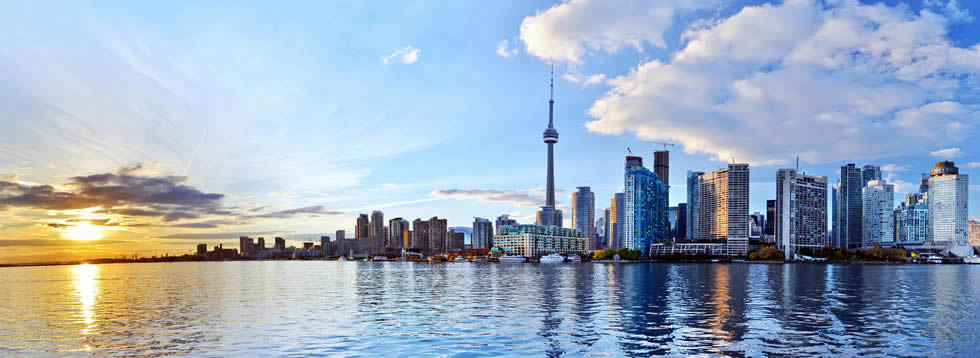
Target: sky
(149, 127)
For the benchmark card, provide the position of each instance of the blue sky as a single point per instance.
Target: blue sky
(303, 115)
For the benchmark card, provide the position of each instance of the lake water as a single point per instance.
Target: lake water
(277, 308)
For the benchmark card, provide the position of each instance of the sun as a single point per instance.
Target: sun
(83, 232)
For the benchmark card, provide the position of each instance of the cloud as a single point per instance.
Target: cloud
(947, 153)
(973, 165)
(951, 9)
(49, 243)
(218, 235)
(315, 210)
(120, 193)
(504, 50)
(407, 55)
(880, 72)
(568, 31)
(894, 168)
(513, 197)
(585, 80)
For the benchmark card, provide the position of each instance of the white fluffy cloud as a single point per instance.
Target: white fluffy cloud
(824, 80)
(973, 165)
(407, 55)
(504, 49)
(567, 31)
(947, 153)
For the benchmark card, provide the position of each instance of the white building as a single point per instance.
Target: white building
(801, 211)
(948, 211)
(877, 211)
(723, 207)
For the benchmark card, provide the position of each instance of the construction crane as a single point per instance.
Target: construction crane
(665, 144)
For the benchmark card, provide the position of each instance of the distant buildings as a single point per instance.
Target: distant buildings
(723, 202)
(420, 235)
(325, 246)
(847, 220)
(583, 214)
(202, 249)
(482, 237)
(645, 210)
(974, 233)
(800, 210)
(878, 199)
(948, 207)
(281, 243)
(770, 232)
(693, 195)
(376, 231)
(361, 226)
(246, 246)
(437, 235)
(680, 217)
(538, 240)
(661, 166)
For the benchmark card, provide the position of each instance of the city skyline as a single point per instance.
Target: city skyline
(152, 143)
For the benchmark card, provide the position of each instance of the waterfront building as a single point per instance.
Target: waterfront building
(693, 195)
(538, 240)
(280, 244)
(974, 233)
(420, 235)
(455, 240)
(680, 231)
(246, 245)
(848, 220)
(548, 215)
(912, 219)
(616, 210)
(437, 235)
(504, 220)
(376, 232)
(801, 211)
(482, 237)
(606, 229)
(361, 226)
(645, 218)
(770, 232)
(878, 213)
(261, 244)
(661, 166)
(202, 249)
(758, 225)
(324, 246)
(723, 213)
(341, 235)
(600, 230)
(671, 222)
(948, 208)
(583, 214)
(397, 231)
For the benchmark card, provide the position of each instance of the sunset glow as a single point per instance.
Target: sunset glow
(83, 232)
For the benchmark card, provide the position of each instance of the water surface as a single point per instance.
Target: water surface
(276, 308)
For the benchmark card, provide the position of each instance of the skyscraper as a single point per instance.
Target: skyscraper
(948, 209)
(878, 199)
(606, 229)
(280, 244)
(912, 218)
(437, 235)
(482, 234)
(724, 207)
(849, 232)
(801, 211)
(681, 231)
(616, 209)
(420, 235)
(770, 232)
(645, 210)
(583, 214)
(245, 245)
(324, 245)
(661, 165)
(376, 232)
(397, 229)
(504, 220)
(870, 172)
(361, 227)
(693, 178)
(600, 229)
(548, 214)
(455, 240)
(261, 244)
(974, 233)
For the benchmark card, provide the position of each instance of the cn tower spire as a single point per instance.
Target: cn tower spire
(551, 99)
(550, 138)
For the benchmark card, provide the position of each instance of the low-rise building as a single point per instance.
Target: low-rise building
(537, 240)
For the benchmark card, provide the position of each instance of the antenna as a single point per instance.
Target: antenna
(628, 150)
(797, 163)
(552, 96)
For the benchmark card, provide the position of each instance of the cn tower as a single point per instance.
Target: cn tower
(548, 215)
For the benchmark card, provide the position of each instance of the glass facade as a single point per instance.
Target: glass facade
(645, 217)
(948, 210)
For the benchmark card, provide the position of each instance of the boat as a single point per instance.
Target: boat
(379, 258)
(342, 258)
(479, 259)
(512, 259)
(552, 258)
(972, 260)
(574, 258)
(460, 259)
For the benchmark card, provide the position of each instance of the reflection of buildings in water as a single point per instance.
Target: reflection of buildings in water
(585, 308)
(85, 278)
(719, 300)
(550, 303)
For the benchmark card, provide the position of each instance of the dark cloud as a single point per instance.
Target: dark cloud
(206, 224)
(219, 235)
(309, 210)
(101, 222)
(123, 192)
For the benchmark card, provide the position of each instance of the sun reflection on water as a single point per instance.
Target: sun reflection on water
(85, 278)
